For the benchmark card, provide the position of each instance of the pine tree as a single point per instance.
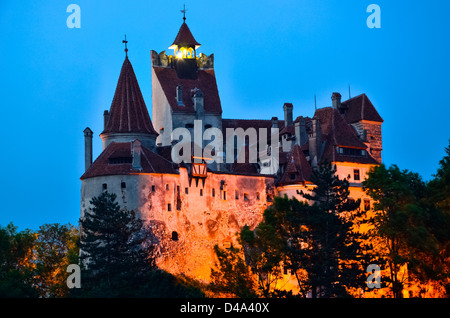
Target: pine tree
(319, 243)
(115, 250)
(334, 245)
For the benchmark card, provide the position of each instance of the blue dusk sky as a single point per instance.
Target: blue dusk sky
(56, 81)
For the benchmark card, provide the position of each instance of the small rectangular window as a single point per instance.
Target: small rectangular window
(355, 174)
(123, 185)
(213, 192)
(201, 192)
(153, 188)
(186, 190)
(224, 195)
(167, 187)
(104, 186)
(236, 195)
(169, 207)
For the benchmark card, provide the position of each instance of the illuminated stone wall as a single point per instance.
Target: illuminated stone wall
(189, 217)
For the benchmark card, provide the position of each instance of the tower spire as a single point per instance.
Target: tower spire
(126, 49)
(184, 12)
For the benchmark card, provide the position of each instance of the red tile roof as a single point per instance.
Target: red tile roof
(206, 82)
(337, 132)
(288, 130)
(150, 162)
(128, 113)
(297, 169)
(360, 108)
(336, 127)
(185, 37)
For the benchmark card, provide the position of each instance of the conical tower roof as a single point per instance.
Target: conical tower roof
(128, 113)
(185, 37)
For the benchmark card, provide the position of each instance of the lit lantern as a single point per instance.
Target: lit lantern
(199, 170)
(185, 45)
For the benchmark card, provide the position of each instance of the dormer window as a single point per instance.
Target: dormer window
(179, 95)
(351, 151)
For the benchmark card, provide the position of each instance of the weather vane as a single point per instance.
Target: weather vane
(125, 41)
(184, 12)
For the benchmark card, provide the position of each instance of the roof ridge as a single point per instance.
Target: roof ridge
(354, 97)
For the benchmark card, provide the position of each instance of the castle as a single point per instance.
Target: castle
(195, 204)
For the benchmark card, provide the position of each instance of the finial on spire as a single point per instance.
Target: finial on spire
(126, 49)
(184, 12)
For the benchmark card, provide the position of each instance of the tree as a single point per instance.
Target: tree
(232, 276)
(438, 198)
(117, 256)
(318, 242)
(16, 262)
(55, 248)
(263, 250)
(399, 221)
(116, 252)
(288, 217)
(440, 184)
(333, 242)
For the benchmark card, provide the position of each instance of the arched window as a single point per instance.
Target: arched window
(174, 236)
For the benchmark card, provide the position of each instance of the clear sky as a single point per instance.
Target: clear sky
(56, 81)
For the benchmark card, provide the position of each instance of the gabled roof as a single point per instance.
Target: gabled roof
(360, 108)
(128, 113)
(206, 82)
(298, 169)
(185, 37)
(337, 132)
(333, 125)
(150, 162)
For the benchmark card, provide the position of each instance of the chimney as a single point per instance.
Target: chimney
(288, 107)
(198, 101)
(136, 153)
(87, 148)
(105, 118)
(336, 99)
(179, 95)
(274, 122)
(315, 142)
(300, 131)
